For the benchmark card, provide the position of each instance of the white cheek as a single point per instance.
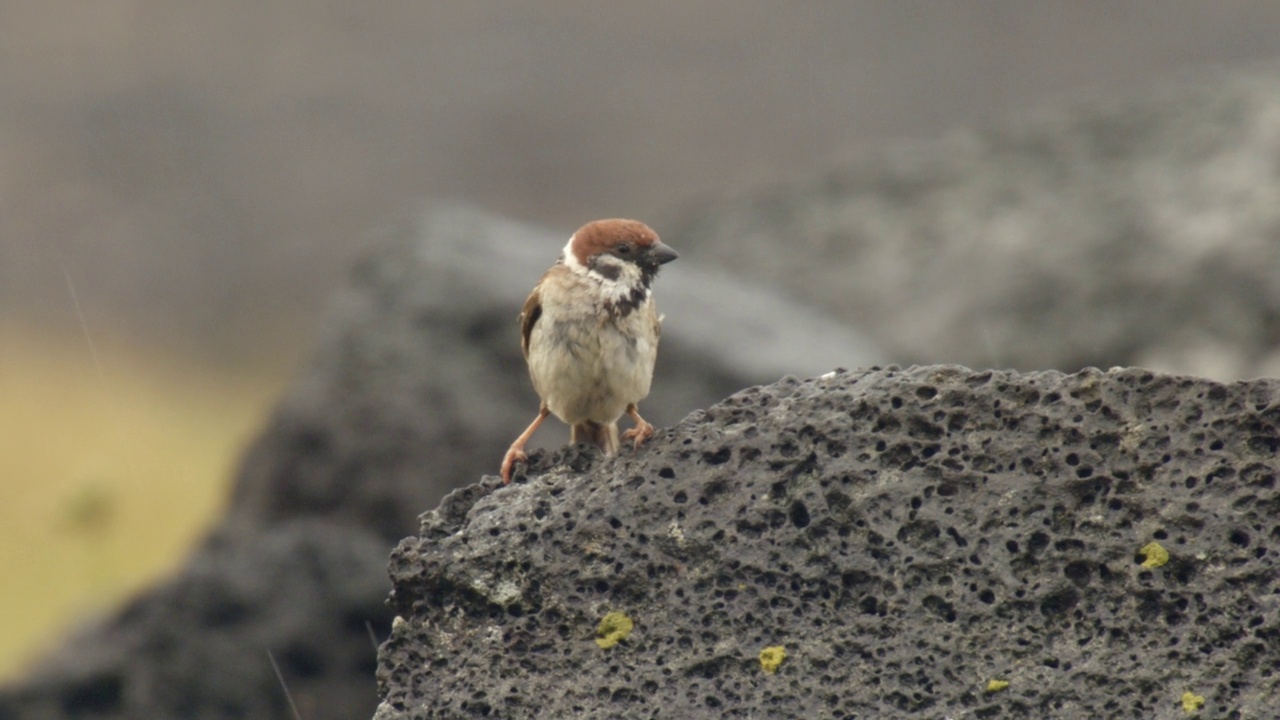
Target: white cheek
(569, 258)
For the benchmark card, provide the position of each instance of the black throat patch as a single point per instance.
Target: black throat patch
(628, 304)
(636, 294)
(608, 271)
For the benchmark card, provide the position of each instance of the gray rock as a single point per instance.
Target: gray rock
(906, 536)
(1100, 234)
(308, 593)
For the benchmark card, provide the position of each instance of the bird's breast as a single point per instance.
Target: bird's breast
(590, 365)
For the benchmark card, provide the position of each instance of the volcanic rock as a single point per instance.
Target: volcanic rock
(906, 542)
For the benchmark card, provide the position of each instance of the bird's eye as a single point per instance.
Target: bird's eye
(623, 249)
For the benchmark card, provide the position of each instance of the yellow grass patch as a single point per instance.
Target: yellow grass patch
(110, 471)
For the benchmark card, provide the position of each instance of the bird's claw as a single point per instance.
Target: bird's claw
(639, 434)
(513, 456)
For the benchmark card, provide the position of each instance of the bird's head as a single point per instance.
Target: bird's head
(618, 251)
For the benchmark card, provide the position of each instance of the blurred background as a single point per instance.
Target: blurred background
(182, 185)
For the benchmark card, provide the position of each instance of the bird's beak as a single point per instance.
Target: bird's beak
(661, 254)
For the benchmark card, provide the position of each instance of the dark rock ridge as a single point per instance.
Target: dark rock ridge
(906, 536)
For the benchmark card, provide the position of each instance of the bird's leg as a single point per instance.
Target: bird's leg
(516, 453)
(642, 431)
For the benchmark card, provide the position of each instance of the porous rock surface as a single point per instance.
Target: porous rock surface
(906, 536)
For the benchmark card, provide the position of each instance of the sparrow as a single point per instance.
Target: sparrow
(589, 333)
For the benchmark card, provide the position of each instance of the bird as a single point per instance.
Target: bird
(589, 333)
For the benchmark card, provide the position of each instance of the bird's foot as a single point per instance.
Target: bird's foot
(638, 434)
(516, 453)
(513, 456)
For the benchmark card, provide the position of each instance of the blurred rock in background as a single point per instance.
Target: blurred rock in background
(1138, 232)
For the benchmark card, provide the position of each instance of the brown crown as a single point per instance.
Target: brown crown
(603, 235)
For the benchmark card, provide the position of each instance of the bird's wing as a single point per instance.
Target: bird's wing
(529, 316)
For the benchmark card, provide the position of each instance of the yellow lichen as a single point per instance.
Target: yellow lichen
(1155, 555)
(1192, 702)
(771, 658)
(614, 628)
(997, 685)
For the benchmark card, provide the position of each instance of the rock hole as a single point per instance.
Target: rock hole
(799, 514)
(1060, 602)
(719, 457)
(1078, 572)
(940, 607)
(869, 606)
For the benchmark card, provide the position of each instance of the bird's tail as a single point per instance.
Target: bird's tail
(602, 435)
